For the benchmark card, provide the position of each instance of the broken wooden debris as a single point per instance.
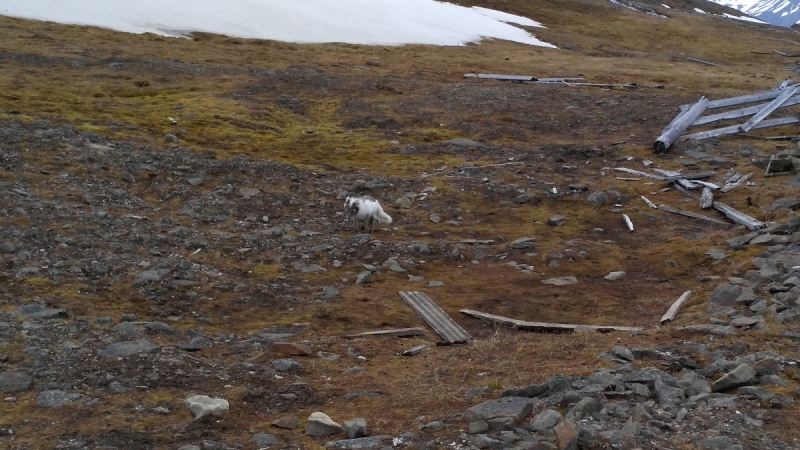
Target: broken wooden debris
(767, 110)
(413, 350)
(783, 96)
(786, 55)
(444, 326)
(706, 184)
(641, 174)
(735, 181)
(779, 166)
(737, 216)
(700, 61)
(544, 327)
(649, 203)
(673, 220)
(681, 212)
(679, 125)
(672, 312)
(573, 81)
(397, 332)
(706, 198)
(628, 222)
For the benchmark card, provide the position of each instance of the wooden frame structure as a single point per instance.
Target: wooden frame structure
(785, 95)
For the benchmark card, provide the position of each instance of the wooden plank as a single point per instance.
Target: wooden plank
(679, 125)
(681, 212)
(628, 222)
(444, 326)
(702, 62)
(767, 110)
(649, 203)
(397, 332)
(739, 113)
(689, 176)
(682, 180)
(672, 312)
(638, 173)
(737, 216)
(706, 198)
(711, 186)
(673, 220)
(749, 98)
(726, 131)
(492, 76)
(780, 53)
(542, 326)
(732, 184)
(557, 80)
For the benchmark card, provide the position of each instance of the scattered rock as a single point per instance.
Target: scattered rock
(56, 399)
(128, 348)
(545, 420)
(286, 364)
(613, 276)
(566, 435)
(403, 202)
(265, 440)
(740, 376)
(15, 381)
(515, 408)
(203, 405)
(556, 221)
(528, 197)
(561, 281)
(319, 424)
(291, 349)
(286, 422)
(356, 428)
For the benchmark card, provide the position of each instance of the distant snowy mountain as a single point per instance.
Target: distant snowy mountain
(783, 13)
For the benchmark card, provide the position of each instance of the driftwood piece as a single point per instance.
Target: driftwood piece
(706, 198)
(648, 202)
(688, 176)
(492, 76)
(444, 326)
(628, 222)
(673, 220)
(732, 184)
(712, 186)
(767, 110)
(413, 350)
(749, 98)
(672, 312)
(700, 61)
(738, 113)
(679, 125)
(737, 216)
(544, 327)
(734, 129)
(681, 212)
(397, 332)
(638, 173)
(682, 180)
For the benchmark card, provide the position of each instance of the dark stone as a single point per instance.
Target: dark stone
(15, 382)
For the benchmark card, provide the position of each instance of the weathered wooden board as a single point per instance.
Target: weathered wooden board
(739, 217)
(638, 173)
(680, 212)
(672, 312)
(397, 332)
(743, 99)
(444, 326)
(648, 202)
(492, 76)
(767, 110)
(734, 129)
(739, 113)
(543, 327)
(702, 62)
(733, 183)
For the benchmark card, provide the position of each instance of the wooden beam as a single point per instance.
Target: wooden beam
(397, 332)
(702, 62)
(638, 173)
(679, 125)
(444, 326)
(706, 198)
(681, 212)
(628, 222)
(543, 327)
(736, 216)
(492, 76)
(749, 98)
(739, 113)
(711, 186)
(767, 110)
(726, 131)
(672, 312)
(649, 203)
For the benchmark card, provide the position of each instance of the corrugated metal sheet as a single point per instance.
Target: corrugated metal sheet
(446, 327)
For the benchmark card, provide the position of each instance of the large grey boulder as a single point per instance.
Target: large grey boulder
(545, 420)
(319, 424)
(583, 408)
(265, 440)
(714, 443)
(15, 381)
(740, 376)
(725, 294)
(56, 399)
(515, 408)
(668, 395)
(203, 405)
(365, 443)
(356, 428)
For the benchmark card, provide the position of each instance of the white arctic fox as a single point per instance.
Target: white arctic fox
(364, 211)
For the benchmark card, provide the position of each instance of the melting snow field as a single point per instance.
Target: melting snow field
(369, 22)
